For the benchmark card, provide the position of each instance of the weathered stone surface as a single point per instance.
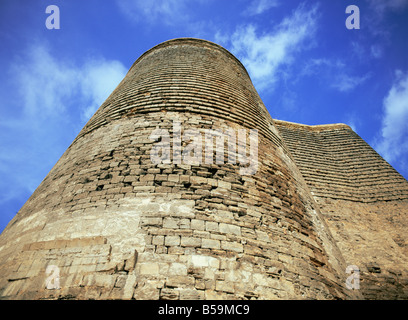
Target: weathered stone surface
(363, 199)
(115, 225)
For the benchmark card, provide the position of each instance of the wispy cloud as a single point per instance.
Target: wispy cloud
(353, 120)
(55, 99)
(377, 12)
(376, 51)
(380, 7)
(260, 6)
(264, 54)
(165, 11)
(393, 141)
(365, 53)
(344, 82)
(43, 83)
(337, 71)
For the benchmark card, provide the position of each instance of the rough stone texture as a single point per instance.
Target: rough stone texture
(363, 199)
(119, 226)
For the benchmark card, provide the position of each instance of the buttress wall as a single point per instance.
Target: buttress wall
(364, 201)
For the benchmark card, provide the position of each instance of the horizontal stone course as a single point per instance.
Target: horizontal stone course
(336, 163)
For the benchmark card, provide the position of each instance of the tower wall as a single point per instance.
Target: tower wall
(117, 225)
(363, 200)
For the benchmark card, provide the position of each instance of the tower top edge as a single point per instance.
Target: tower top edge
(190, 41)
(319, 127)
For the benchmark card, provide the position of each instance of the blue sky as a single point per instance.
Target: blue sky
(306, 65)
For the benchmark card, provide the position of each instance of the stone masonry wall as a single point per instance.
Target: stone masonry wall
(363, 199)
(336, 163)
(118, 226)
(373, 237)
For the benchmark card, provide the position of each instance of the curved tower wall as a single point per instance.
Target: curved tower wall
(115, 224)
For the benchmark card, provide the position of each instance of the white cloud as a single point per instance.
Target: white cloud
(260, 6)
(47, 86)
(55, 99)
(99, 78)
(264, 54)
(166, 11)
(43, 83)
(393, 141)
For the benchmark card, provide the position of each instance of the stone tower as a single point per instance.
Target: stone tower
(145, 205)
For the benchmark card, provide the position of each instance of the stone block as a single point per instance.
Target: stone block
(191, 294)
(174, 177)
(190, 242)
(161, 249)
(176, 250)
(232, 246)
(151, 221)
(169, 294)
(230, 229)
(120, 281)
(262, 236)
(143, 189)
(211, 294)
(160, 177)
(178, 269)
(211, 226)
(103, 280)
(163, 189)
(131, 262)
(158, 240)
(224, 286)
(172, 241)
(176, 281)
(211, 244)
(198, 180)
(147, 291)
(182, 208)
(146, 178)
(201, 234)
(171, 223)
(184, 179)
(204, 261)
(149, 268)
(224, 185)
(200, 284)
(185, 223)
(218, 236)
